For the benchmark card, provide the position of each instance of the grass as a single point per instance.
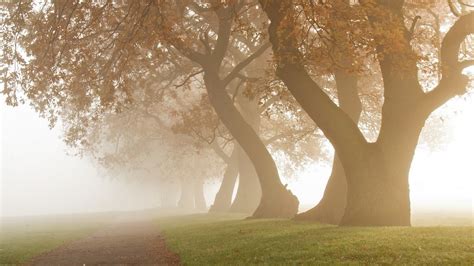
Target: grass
(230, 240)
(23, 238)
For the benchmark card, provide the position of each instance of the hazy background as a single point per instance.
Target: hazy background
(37, 177)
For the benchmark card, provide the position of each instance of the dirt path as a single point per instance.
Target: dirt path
(129, 241)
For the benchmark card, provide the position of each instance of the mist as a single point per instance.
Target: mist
(236, 132)
(41, 176)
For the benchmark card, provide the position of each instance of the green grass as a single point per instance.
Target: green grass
(229, 240)
(23, 238)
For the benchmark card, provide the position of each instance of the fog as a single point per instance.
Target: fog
(39, 177)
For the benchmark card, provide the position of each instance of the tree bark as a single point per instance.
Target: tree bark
(276, 200)
(331, 207)
(199, 200)
(378, 188)
(249, 191)
(223, 199)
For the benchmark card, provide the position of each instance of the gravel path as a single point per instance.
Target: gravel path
(128, 241)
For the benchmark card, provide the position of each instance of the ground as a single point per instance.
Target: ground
(227, 239)
(230, 239)
(21, 238)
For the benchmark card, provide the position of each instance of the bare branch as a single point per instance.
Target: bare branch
(294, 133)
(233, 74)
(188, 78)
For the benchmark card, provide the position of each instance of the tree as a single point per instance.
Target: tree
(376, 173)
(89, 57)
(277, 118)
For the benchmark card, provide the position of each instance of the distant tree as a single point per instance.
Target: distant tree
(278, 120)
(90, 57)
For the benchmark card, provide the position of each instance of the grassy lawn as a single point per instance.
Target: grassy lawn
(23, 238)
(227, 239)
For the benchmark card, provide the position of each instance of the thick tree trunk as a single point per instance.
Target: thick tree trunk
(186, 200)
(378, 189)
(249, 191)
(199, 200)
(331, 207)
(276, 200)
(223, 199)
(375, 195)
(377, 181)
(376, 173)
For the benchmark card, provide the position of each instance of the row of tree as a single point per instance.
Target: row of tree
(240, 88)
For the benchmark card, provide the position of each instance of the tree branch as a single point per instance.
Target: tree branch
(234, 73)
(188, 78)
(337, 126)
(223, 36)
(453, 82)
(301, 133)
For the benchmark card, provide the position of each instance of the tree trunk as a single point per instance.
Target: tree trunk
(199, 200)
(249, 191)
(276, 200)
(186, 200)
(377, 181)
(376, 173)
(223, 199)
(376, 197)
(331, 207)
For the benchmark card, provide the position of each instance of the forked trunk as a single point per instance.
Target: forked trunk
(249, 191)
(223, 199)
(377, 181)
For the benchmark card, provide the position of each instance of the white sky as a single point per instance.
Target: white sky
(37, 177)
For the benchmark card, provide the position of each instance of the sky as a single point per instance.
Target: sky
(38, 177)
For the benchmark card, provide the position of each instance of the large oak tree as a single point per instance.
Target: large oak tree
(376, 172)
